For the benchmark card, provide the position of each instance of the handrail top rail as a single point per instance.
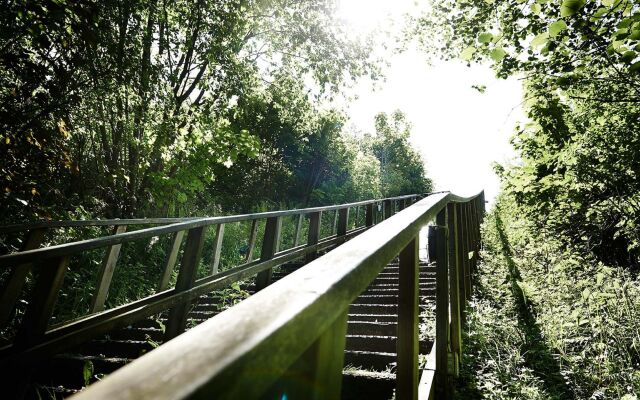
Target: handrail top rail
(160, 221)
(239, 341)
(68, 249)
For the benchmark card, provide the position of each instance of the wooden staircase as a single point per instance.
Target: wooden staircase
(369, 360)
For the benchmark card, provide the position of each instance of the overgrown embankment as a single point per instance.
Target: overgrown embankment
(547, 322)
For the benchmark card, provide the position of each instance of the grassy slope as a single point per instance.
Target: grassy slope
(548, 323)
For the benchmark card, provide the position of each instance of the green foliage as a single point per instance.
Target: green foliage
(546, 321)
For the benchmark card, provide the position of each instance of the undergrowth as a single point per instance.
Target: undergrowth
(548, 322)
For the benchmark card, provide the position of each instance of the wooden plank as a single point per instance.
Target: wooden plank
(426, 389)
(16, 279)
(442, 311)
(296, 240)
(227, 356)
(317, 374)
(171, 260)
(270, 246)
(315, 219)
(49, 278)
(461, 263)
(407, 343)
(252, 240)
(335, 222)
(105, 275)
(454, 283)
(177, 319)
(217, 248)
(468, 250)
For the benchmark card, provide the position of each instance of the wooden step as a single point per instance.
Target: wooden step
(370, 360)
(383, 344)
(372, 328)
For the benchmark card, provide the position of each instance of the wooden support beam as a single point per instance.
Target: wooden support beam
(369, 215)
(296, 236)
(317, 374)
(171, 261)
(106, 273)
(314, 234)
(177, 319)
(49, 278)
(252, 240)
(17, 277)
(454, 286)
(343, 219)
(460, 255)
(217, 249)
(270, 246)
(442, 311)
(407, 344)
(386, 209)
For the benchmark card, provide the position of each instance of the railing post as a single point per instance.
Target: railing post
(343, 218)
(16, 279)
(454, 288)
(252, 240)
(106, 273)
(357, 216)
(335, 223)
(314, 234)
(296, 240)
(177, 319)
(369, 215)
(439, 246)
(49, 278)
(217, 249)
(407, 344)
(171, 260)
(270, 246)
(387, 209)
(460, 246)
(317, 374)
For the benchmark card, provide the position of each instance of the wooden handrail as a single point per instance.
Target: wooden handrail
(50, 267)
(164, 221)
(294, 345)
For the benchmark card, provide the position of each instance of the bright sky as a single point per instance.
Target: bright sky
(459, 131)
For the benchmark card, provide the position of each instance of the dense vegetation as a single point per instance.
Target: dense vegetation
(557, 313)
(167, 108)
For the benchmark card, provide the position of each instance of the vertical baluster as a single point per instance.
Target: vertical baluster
(387, 209)
(16, 279)
(270, 246)
(171, 260)
(252, 240)
(317, 374)
(461, 264)
(357, 219)
(314, 234)
(335, 223)
(49, 276)
(343, 218)
(106, 273)
(442, 310)
(217, 249)
(407, 344)
(296, 240)
(369, 215)
(191, 256)
(454, 286)
(469, 251)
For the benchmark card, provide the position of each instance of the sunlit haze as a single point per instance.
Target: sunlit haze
(459, 131)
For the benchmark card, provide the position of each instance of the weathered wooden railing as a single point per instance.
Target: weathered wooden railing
(35, 339)
(287, 341)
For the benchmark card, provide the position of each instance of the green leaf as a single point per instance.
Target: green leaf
(485, 37)
(628, 56)
(497, 54)
(557, 27)
(635, 67)
(540, 40)
(87, 372)
(608, 3)
(467, 54)
(570, 7)
(536, 8)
